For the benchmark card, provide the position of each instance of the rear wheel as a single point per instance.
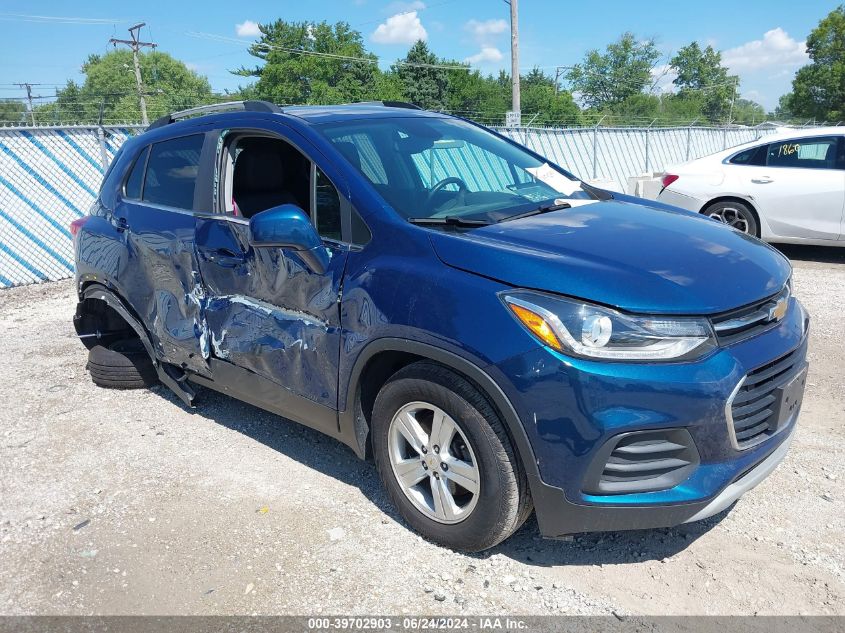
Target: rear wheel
(446, 460)
(735, 214)
(121, 365)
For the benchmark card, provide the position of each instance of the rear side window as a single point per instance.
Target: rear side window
(752, 156)
(172, 169)
(809, 153)
(327, 206)
(132, 188)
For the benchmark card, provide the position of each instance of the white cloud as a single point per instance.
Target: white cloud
(401, 6)
(402, 28)
(482, 30)
(487, 55)
(776, 49)
(248, 28)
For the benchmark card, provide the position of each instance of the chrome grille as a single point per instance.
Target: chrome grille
(750, 320)
(754, 409)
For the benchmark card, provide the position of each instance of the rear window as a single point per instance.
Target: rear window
(172, 172)
(751, 156)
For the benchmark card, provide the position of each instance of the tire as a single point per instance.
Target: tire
(123, 365)
(475, 521)
(736, 214)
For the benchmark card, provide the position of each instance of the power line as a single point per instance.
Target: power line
(298, 51)
(135, 44)
(57, 19)
(28, 87)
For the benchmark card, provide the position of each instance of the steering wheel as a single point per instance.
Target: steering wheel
(451, 180)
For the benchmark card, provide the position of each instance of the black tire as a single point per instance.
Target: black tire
(504, 502)
(123, 365)
(735, 214)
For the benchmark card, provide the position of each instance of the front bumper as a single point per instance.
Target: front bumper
(572, 408)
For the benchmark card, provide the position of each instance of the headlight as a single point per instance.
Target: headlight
(592, 331)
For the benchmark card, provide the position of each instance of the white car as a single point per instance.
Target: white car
(787, 187)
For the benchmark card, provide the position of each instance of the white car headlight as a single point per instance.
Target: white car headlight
(592, 331)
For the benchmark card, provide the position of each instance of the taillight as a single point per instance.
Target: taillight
(668, 179)
(78, 224)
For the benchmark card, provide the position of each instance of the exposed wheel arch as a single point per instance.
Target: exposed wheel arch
(744, 201)
(166, 373)
(90, 314)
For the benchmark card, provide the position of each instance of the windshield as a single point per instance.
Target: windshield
(430, 168)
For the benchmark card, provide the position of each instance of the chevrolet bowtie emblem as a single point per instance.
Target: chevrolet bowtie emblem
(778, 311)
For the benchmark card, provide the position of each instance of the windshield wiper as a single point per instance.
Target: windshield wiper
(449, 220)
(557, 206)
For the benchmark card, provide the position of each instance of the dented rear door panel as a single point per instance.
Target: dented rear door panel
(160, 280)
(266, 312)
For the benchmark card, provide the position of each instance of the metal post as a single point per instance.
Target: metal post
(596, 147)
(689, 137)
(515, 92)
(104, 155)
(647, 130)
(101, 137)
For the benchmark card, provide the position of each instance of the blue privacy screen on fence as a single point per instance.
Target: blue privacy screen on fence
(49, 176)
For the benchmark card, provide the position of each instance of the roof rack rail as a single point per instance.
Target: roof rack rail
(247, 106)
(392, 104)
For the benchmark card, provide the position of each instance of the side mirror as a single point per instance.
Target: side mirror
(287, 226)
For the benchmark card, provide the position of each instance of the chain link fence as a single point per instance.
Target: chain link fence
(49, 176)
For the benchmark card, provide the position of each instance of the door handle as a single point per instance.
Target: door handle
(224, 257)
(118, 222)
(762, 180)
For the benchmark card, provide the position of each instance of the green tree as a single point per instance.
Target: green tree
(423, 82)
(12, 112)
(748, 112)
(110, 84)
(607, 79)
(818, 90)
(308, 62)
(543, 104)
(702, 76)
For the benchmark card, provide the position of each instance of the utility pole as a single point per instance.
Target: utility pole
(135, 44)
(28, 87)
(515, 105)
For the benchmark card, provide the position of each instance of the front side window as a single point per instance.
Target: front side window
(808, 153)
(441, 167)
(172, 168)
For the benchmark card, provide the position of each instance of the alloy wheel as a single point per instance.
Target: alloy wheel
(433, 462)
(732, 217)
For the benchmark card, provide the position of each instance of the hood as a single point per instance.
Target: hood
(631, 256)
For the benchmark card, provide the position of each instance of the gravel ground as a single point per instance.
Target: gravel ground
(129, 503)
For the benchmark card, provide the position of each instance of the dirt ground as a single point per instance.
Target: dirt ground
(129, 503)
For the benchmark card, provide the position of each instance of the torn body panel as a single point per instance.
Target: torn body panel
(160, 281)
(268, 313)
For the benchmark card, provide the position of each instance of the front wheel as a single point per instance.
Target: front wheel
(446, 460)
(735, 214)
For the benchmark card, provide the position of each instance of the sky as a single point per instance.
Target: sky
(762, 41)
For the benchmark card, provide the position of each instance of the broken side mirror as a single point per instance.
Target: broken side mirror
(288, 226)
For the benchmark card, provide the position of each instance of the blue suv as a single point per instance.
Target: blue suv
(498, 336)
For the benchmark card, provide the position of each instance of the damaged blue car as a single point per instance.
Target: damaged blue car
(498, 336)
